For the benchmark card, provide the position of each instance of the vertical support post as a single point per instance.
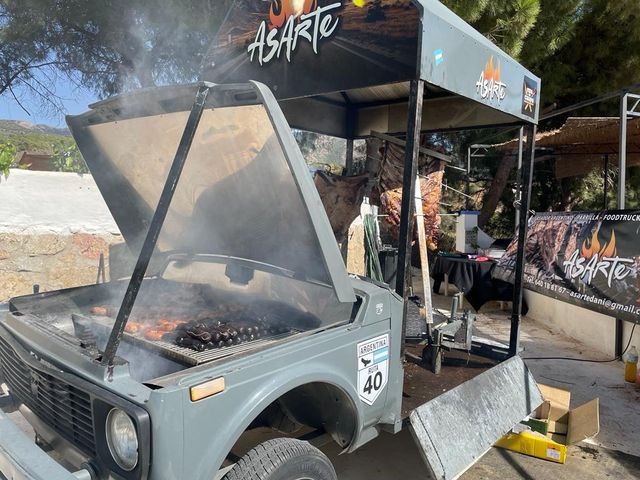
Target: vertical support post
(605, 201)
(622, 192)
(467, 203)
(351, 132)
(619, 338)
(518, 176)
(349, 159)
(414, 125)
(525, 204)
(622, 153)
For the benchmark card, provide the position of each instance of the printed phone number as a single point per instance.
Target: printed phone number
(552, 287)
(585, 297)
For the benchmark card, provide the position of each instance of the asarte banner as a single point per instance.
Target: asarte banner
(589, 259)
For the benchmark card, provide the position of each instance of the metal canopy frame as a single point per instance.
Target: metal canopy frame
(412, 153)
(624, 95)
(626, 113)
(629, 108)
(432, 62)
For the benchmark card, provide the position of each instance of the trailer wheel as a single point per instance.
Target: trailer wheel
(432, 356)
(283, 459)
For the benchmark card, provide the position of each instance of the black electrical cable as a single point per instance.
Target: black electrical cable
(619, 357)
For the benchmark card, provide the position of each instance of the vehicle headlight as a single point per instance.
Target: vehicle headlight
(122, 439)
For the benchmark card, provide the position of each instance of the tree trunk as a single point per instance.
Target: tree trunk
(493, 195)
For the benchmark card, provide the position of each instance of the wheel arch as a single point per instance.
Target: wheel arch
(288, 386)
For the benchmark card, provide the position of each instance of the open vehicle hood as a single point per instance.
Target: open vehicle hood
(245, 190)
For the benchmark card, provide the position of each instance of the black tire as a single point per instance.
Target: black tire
(283, 459)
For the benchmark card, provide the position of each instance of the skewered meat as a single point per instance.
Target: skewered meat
(133, 327)
(102, 311)
(223, 326)
(154, 334)
(192, 343)
(201, 335)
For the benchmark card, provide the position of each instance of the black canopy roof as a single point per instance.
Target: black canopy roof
(344, 69)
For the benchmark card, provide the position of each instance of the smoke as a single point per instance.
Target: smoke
(237, 234)
(153, 43)
(237, 222)
(237, 225)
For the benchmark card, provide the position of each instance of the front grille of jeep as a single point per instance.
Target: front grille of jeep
(63, 407)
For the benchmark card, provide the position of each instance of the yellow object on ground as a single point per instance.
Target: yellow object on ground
(534, 444)
(630, 372)
(563, 425)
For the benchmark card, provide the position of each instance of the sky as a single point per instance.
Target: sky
(75, 100)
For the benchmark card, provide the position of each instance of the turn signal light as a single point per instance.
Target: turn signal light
(207, 389)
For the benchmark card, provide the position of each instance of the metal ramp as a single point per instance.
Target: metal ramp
(455, 429)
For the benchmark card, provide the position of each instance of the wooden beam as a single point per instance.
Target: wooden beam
(403, 144)
(424, 259)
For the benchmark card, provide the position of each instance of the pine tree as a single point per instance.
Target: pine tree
(602, 56)
(507, 23)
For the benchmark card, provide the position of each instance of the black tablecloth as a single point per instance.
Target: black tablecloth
(474, 279)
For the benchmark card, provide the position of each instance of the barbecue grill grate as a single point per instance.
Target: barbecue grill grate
(192, 357)
(181, 354)
(62, 406)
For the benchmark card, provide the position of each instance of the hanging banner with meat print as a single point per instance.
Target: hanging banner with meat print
(588, 259)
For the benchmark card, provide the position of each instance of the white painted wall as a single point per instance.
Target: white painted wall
(593, 329)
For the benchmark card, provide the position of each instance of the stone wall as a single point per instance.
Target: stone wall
(51, 260)
(53, 228)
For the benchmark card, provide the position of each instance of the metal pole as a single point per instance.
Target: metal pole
(411, 154)
(467, 203)
(155, 227)
(525, 203)
(351, 131)
(349, 159)
(622, 153)
(619, 337)
(605, 202)
(518, 175)
(622, 190)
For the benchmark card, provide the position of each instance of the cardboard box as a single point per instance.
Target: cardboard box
(554, 426)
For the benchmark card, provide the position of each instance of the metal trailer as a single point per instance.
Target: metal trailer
(213, 197)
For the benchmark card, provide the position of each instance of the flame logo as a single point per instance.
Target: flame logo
(592, 246)
(281, 10)
(491, 73)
